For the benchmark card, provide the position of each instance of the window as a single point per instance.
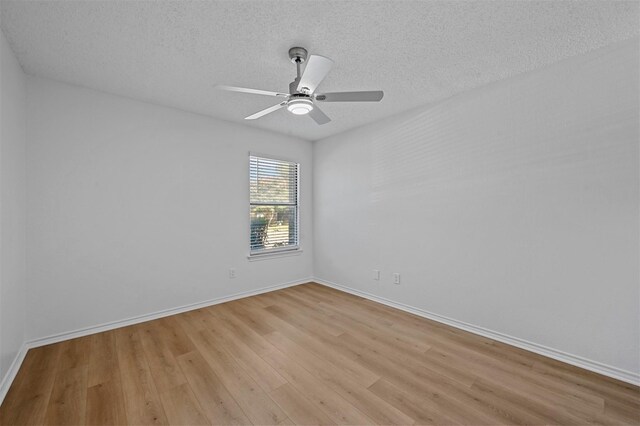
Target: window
(273, 188)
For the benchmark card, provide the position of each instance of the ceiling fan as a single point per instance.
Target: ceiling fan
(301, 99)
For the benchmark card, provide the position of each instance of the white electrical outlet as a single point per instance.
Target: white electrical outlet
(396, 278)
(232, 273)
(376, 275)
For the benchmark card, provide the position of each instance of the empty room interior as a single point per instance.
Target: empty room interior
(319, 212)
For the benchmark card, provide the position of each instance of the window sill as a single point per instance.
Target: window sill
(275, 255)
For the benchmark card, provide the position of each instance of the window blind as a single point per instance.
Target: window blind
(273, 188)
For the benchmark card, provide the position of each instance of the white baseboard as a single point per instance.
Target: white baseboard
(55, 338)
(597, 367)
(12, 372)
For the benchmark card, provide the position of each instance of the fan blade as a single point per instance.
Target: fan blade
(252, 91)
(318, 116)
(370, 96)
(316, 70)
(265, 111)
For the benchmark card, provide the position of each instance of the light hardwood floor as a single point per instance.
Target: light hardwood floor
(306, 355)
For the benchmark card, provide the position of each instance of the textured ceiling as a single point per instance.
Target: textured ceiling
(174, 52)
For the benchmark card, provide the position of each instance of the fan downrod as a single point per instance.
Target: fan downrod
(298, 55)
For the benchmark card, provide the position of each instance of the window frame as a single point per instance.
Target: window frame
(280, 251)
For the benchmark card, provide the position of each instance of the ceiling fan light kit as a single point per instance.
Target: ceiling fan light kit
(300, 106)
(301, 96)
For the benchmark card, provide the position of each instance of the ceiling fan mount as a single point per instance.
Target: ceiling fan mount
(301, 99)
(298, 55)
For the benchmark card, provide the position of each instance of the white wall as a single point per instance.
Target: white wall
(135, 208)
(12, 207)
(513, 207)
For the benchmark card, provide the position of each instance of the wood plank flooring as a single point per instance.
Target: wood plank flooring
(305, 355)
